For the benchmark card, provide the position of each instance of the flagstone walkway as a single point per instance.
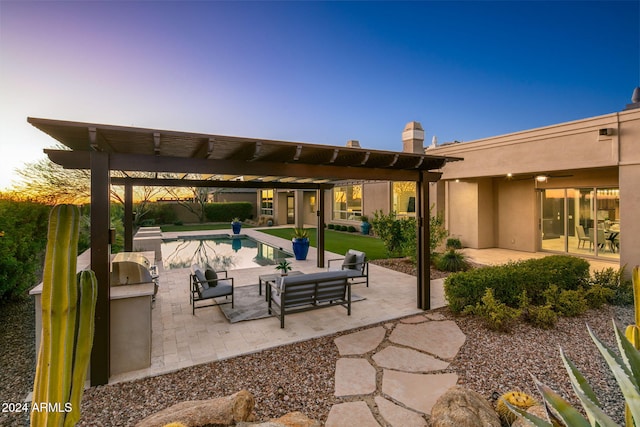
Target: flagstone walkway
(393, 374)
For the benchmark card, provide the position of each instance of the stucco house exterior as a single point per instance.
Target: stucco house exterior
(568, 188)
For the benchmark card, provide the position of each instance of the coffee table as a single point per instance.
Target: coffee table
(271, 278)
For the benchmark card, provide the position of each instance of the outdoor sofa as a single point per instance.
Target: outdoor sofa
(293, 294)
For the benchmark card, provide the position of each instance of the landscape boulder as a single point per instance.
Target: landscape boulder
(292, 419)
(461, 407)
(222, 411)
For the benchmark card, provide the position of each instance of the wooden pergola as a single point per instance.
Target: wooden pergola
(222, 160)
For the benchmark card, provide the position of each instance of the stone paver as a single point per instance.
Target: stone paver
(420, 318)
(416, 391)
(443, 338)
(360, 342)
(354, 377)
(351, 414)
(408, 360)
(398, 416)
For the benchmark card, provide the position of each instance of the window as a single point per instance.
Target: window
(347, 202)
(404, 198)
(266, 202)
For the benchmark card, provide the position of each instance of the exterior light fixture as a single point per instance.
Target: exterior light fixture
(509, 175)
(541, 178)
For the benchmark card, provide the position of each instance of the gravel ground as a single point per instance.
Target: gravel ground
(488, 362)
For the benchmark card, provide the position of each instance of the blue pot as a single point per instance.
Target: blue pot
(236, 226)
(365, 227)
(300, 248)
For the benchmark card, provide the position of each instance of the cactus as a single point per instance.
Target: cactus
(68, 307)
(633, 331)
(514, 398)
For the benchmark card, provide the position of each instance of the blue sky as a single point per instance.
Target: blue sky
(319, 72)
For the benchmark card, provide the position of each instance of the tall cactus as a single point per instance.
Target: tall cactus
(68, 307)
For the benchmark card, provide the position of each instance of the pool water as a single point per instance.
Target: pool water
(219, 252)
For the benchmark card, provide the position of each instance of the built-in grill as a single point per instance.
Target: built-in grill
(132, 268)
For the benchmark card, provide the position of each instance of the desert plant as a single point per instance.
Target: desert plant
(625, 369)
(454, 243)
(68, 307)
(517, 399)
(497, 315)
(284, 266)
(452, 260)
(300, 233)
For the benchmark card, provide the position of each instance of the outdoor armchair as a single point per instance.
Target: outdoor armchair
(207, 285)
(356, 265)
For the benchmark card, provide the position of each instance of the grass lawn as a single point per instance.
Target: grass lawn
(338, 242)
(206, 226)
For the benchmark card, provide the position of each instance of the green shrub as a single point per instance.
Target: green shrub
(541, 316)
(351, 229)
(614, 279)
(452, 260)
(454, 243)
(331, 226)
(343, 228)
(571, 303)
(598, 295)
(497, 315)
(22, 246)
(159, 213)
(225, 212)
(509, 281)
(178, 222)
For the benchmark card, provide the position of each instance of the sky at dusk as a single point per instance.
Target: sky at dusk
(318, 72)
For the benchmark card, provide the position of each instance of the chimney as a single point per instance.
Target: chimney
(413, 138)
(635, 99)
(352, 143)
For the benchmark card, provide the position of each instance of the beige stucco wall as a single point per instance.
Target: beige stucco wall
(376, 196)
(486, 205)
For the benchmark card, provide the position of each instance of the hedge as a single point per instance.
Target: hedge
(22, 246)
(222, 212)
(509, 280)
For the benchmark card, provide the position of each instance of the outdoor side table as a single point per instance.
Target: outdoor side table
(268, 278)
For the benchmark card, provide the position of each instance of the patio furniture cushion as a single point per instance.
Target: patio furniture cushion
(223, 288)
(202, 279)
(349, 260)
(212, 278)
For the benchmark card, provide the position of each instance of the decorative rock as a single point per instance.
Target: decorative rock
(354, 376)
(398, 416)
(443, 339)
(292, 419)
(408, 360)
(460, 407)
(416, 391)
(360, 342)
(220, 411)
(537, 410)
(351, 414)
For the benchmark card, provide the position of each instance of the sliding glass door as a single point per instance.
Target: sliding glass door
(580, 221)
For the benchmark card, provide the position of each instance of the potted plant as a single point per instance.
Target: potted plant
(300, 243)
(236, 225)
(365, 226)
(284, 266)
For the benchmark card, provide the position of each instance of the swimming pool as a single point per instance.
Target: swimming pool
(220, 252)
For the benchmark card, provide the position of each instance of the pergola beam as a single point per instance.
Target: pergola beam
(145, 163)
(159, 182)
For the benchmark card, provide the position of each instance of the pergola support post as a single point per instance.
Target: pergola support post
(128, 216)
(320, 229)
(100, 264)
(422, 242)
